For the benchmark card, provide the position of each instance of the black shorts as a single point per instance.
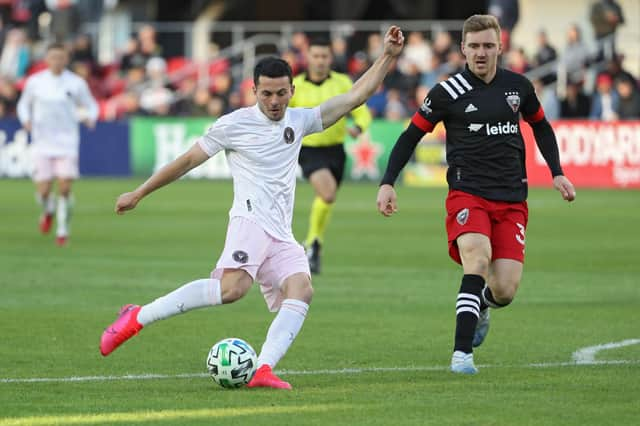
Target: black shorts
(325, 157)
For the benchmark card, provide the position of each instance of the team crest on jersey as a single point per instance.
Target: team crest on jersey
(426, 106)
(513, 99)
(289, 136)
(240, 256)
(462, 216)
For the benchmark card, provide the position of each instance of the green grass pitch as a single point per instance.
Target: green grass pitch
(383, 310)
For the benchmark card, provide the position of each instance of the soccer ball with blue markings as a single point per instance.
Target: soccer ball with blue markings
(232, 363)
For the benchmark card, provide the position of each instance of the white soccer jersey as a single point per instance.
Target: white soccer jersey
(50, 102)
(263, 159)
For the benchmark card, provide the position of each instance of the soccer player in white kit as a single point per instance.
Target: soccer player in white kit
(261, 143)
(48, 108)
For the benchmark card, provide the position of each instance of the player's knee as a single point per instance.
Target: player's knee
(298, 287)
(475, 261)
(505, 292)
(234, 286)
(328, 197)
(232, 293)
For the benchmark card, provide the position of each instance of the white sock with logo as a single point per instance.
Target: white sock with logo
(283, 331)
(196, 294)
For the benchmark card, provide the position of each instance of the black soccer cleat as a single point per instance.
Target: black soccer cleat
(313, 255)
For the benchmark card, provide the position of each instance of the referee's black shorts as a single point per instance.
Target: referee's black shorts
(330, 157)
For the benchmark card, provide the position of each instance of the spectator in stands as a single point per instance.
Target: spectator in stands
(358, 64)
(299, 46)
(629, 104)
(221, 84)
(508, 13)
(398, 81)
(432, 77)
(340, 54)
(132, 56)
(576, 103)
(442, 45)
(14, 60)
(8, 97)
(156, 98)
(6, 9)
(575, 55)
(545, 54)
(183, 98)
(517, 61)
(197, 104)
(216, 107)
(395, 109)
(148, 44)
(374, 46)
(548, 99)
(377, 103)
(84, 70)
(605, 101)
(455, 62)
(606, 16)
(82, 51)
(417, 52)
(616, 70)
(65, 18)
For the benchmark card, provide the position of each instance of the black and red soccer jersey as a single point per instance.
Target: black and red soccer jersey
(485, 149)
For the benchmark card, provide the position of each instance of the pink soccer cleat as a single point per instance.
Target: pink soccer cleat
(62, 241)
(46, 220)
(264, 378)
(124, 328)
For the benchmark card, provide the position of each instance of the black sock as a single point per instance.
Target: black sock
(467, 311)
(488, 301)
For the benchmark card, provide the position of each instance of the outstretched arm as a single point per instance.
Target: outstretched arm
(172, 171)
(337, 107)
(546, 141)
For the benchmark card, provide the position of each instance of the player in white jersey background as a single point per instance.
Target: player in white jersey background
(262, 144)
(52, 104)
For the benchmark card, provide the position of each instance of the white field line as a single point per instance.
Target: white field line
(588, 355)
(301, 372)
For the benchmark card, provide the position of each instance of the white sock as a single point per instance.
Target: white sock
(63, 215)
(193, 295)
(283, 331)
(48, 204)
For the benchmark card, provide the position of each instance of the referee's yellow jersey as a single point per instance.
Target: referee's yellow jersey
(309, 94)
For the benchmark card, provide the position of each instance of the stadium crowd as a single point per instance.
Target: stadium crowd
(144, 81)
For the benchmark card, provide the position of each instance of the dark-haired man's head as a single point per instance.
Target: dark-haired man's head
(57, 57)
(272, 79)
(319, 59)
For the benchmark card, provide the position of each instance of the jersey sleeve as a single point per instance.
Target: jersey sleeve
(312, 120)
(85, 99)
(214, 140)
(23, 109)
(433, 109)
(531, 109)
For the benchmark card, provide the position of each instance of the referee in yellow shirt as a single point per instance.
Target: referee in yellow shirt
(322, 156)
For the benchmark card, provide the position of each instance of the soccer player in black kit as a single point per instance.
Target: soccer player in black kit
(486, 204)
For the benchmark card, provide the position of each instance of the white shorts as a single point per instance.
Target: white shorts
(46, 168)
(269, 261)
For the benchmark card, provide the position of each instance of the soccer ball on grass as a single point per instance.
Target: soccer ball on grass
(232, 363)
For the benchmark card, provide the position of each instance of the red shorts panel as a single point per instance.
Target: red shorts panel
(503, 222)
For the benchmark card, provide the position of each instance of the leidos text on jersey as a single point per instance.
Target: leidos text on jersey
(507, 128)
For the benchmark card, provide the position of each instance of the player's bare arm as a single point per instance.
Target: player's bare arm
(172, 171)
(337, 107)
